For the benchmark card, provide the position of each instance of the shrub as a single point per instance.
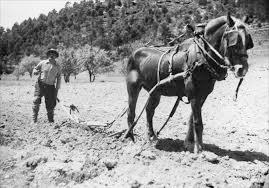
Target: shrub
(27, 64)
(94, 60)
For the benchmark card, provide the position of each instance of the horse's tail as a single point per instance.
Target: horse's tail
(131, 64)
(132, 72)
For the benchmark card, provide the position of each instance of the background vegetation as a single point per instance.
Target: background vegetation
(92, 36)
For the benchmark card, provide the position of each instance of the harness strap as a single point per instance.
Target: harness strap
(206, 53)
(170, 69)
(213, 49)
(171, 60)
(159, 65)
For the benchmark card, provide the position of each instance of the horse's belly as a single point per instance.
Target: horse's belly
(174, 88)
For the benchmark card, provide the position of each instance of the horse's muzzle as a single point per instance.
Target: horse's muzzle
(240, 70)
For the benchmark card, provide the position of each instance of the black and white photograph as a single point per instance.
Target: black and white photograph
(134, 93)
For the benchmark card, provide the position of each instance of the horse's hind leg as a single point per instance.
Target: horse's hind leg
(189, 138)
(133, 88)
(150, 110)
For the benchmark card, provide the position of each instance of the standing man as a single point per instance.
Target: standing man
(49, 76)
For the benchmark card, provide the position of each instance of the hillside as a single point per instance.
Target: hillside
(109, 25)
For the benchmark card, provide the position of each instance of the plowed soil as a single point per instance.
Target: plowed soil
(67, 154)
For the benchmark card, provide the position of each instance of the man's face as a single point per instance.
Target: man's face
(52, 55)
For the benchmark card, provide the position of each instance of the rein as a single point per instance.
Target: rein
(206, 53)
(197, 35)
(226, 66)
(208, 66)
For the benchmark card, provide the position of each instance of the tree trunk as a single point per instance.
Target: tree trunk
(17, 77)
(93, 79)
(91, 75)
(67, 78)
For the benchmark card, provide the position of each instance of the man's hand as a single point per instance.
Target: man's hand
(56, 93)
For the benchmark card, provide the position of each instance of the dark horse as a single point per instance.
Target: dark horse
(203, 67)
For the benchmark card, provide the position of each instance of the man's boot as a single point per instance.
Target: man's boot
(50, 114)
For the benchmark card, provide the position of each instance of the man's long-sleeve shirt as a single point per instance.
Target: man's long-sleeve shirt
(49, 73)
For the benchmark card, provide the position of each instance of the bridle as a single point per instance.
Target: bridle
(226, 64)
(226, 39)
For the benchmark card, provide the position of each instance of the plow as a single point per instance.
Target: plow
(72, 113)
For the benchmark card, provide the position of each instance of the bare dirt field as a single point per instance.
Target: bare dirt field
(66, 154)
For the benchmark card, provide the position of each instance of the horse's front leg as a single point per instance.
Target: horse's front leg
(188, 143)
(196, 106)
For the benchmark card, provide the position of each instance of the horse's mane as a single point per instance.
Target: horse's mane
(216, 23)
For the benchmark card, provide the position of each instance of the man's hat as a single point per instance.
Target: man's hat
(52, 50)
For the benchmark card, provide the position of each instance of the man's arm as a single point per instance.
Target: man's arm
(58, 81)
(37, 68)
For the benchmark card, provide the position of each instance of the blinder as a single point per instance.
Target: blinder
(249, 42)
(231, 38)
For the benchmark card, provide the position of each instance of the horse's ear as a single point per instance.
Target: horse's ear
(230, 21)
(246, 19)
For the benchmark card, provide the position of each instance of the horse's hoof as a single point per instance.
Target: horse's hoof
(152, 138)
(129, 135)
(132, 137)
(189, 146)
(197, 149)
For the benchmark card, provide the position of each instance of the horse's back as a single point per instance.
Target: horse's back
(148, 51)
(144, 57)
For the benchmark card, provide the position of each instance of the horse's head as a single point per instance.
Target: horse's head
(230, 37)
